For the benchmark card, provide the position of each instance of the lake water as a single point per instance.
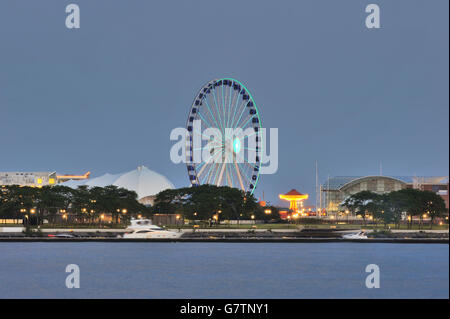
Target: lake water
(223, 270)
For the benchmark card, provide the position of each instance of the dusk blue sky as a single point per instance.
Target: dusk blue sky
(105, 97)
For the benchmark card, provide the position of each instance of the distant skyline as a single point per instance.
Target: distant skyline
(104, 98)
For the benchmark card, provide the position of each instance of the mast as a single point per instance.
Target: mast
(317, 190)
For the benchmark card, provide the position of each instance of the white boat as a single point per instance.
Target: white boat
(140, 223)
(143, 228)
(358, 235)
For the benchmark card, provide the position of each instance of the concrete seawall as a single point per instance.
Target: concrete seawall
(231, 240)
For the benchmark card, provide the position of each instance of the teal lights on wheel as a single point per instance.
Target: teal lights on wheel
(235, 156)
(237, 145)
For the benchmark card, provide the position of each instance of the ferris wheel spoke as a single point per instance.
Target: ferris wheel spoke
(201, 134)
(204, 120)
(221, 174)
(230, 182)
(235, 106)
(210, 111)
(244, 125)
(218, 111)
(216, 165)
(210, 172)
(244, 175)
(216, 172)
(246, 162)
(207, 163)
(230, 99)
(242, 108)
(239, 176)
(223, 108)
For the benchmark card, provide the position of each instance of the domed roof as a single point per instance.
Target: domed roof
(104, 180)
(144, 182)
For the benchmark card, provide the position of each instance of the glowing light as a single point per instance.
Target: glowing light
(85, 176)
(268, 211)
(236, 145)
(293, 197)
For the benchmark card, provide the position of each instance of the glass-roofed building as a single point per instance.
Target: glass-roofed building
(336, 189)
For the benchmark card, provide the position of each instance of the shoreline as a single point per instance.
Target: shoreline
(231, 240)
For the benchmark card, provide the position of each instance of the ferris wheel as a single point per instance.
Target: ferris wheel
(232, 156)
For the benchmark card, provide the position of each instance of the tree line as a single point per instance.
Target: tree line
(391, 208)
(207, 202)
(54, 202)
(88, 204)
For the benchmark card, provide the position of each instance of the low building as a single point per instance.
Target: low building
(32, 179)
(167, 219)
(334, 191)
(36, 179)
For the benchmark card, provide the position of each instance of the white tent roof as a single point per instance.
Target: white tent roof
(143, 181)
(104, 180)
(73, 183)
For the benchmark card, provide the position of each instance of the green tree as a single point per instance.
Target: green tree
(361, 203)
(434, 206)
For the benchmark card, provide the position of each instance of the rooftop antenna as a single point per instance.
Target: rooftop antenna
(381, 169)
